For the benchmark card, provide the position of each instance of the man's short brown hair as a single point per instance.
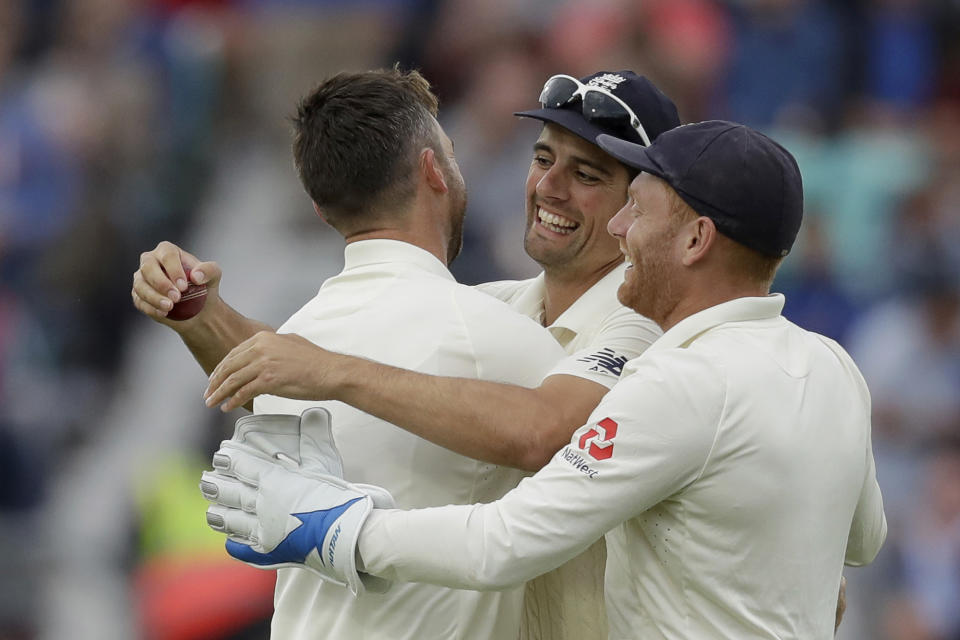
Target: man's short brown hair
(357, 140)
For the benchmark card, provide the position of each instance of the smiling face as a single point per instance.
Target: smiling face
(573, 189)
(648, 231)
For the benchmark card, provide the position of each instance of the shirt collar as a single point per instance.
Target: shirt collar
(381, 251)
(737, 310)
(582, 314)
(530, 300)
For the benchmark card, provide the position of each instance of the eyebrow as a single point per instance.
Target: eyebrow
(542, 146)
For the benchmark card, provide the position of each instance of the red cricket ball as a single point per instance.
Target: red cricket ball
(191, 301)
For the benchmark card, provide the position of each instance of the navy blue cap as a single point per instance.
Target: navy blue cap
(749, 185)
(656, 112)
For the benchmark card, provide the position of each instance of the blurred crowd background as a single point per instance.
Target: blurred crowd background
(127, 122)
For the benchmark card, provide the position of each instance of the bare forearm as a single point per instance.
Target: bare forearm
(213, 338)
(499, 423)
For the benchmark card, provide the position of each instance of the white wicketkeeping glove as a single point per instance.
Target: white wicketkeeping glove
(278, 494)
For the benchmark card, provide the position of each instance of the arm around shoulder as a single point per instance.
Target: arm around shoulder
(508, 415)
(499, 423)
(534, 410)
(557, 408)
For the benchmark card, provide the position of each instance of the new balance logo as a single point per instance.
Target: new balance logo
(598, 440)
(605, 361)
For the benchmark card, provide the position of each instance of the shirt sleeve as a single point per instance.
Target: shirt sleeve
(869, 527)
(504, 290)
(507, 346)
(868, 530)
(621, 337)
(648, 439)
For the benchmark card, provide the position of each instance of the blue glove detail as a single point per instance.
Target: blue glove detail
(278, 493)
(299, 542)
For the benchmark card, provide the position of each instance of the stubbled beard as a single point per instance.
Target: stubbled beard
(548, 257)
(650, 291)
(458, 206)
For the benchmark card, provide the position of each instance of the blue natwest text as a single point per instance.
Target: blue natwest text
(578, 462)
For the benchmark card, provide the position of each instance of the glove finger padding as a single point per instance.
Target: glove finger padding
(318, 451)
(279, 495)
(228, 492)
(238, 525)
(269, 434)
(304, 442)
(312, 522)
(244, 463)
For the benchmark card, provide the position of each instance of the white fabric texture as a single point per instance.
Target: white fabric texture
(398, 304)
(598, 333)
(732, 466)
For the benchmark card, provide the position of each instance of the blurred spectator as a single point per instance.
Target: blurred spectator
(581, 37)
(123, 122)
(927, 229)
(908, 349)
(466, 32)
(924, 605)
(40, 172)
(855, 179)
(688, 45)
(815, 300)
(787, 64)
(901, 65)
(494, 150)
(909, 352)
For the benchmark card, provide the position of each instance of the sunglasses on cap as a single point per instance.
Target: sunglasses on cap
(598, 104)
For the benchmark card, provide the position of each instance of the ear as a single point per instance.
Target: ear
(431, 171)
(699, 237)
(316, 208)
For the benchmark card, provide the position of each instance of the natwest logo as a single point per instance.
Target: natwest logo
(598, 440)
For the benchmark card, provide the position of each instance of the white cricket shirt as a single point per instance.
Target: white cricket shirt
(600, 335)
(732, 466)
(396, 303)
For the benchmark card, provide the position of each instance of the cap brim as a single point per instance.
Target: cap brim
(570, 120)
(629, 153)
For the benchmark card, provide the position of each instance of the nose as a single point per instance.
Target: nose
(617, 227)
(552, 184)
